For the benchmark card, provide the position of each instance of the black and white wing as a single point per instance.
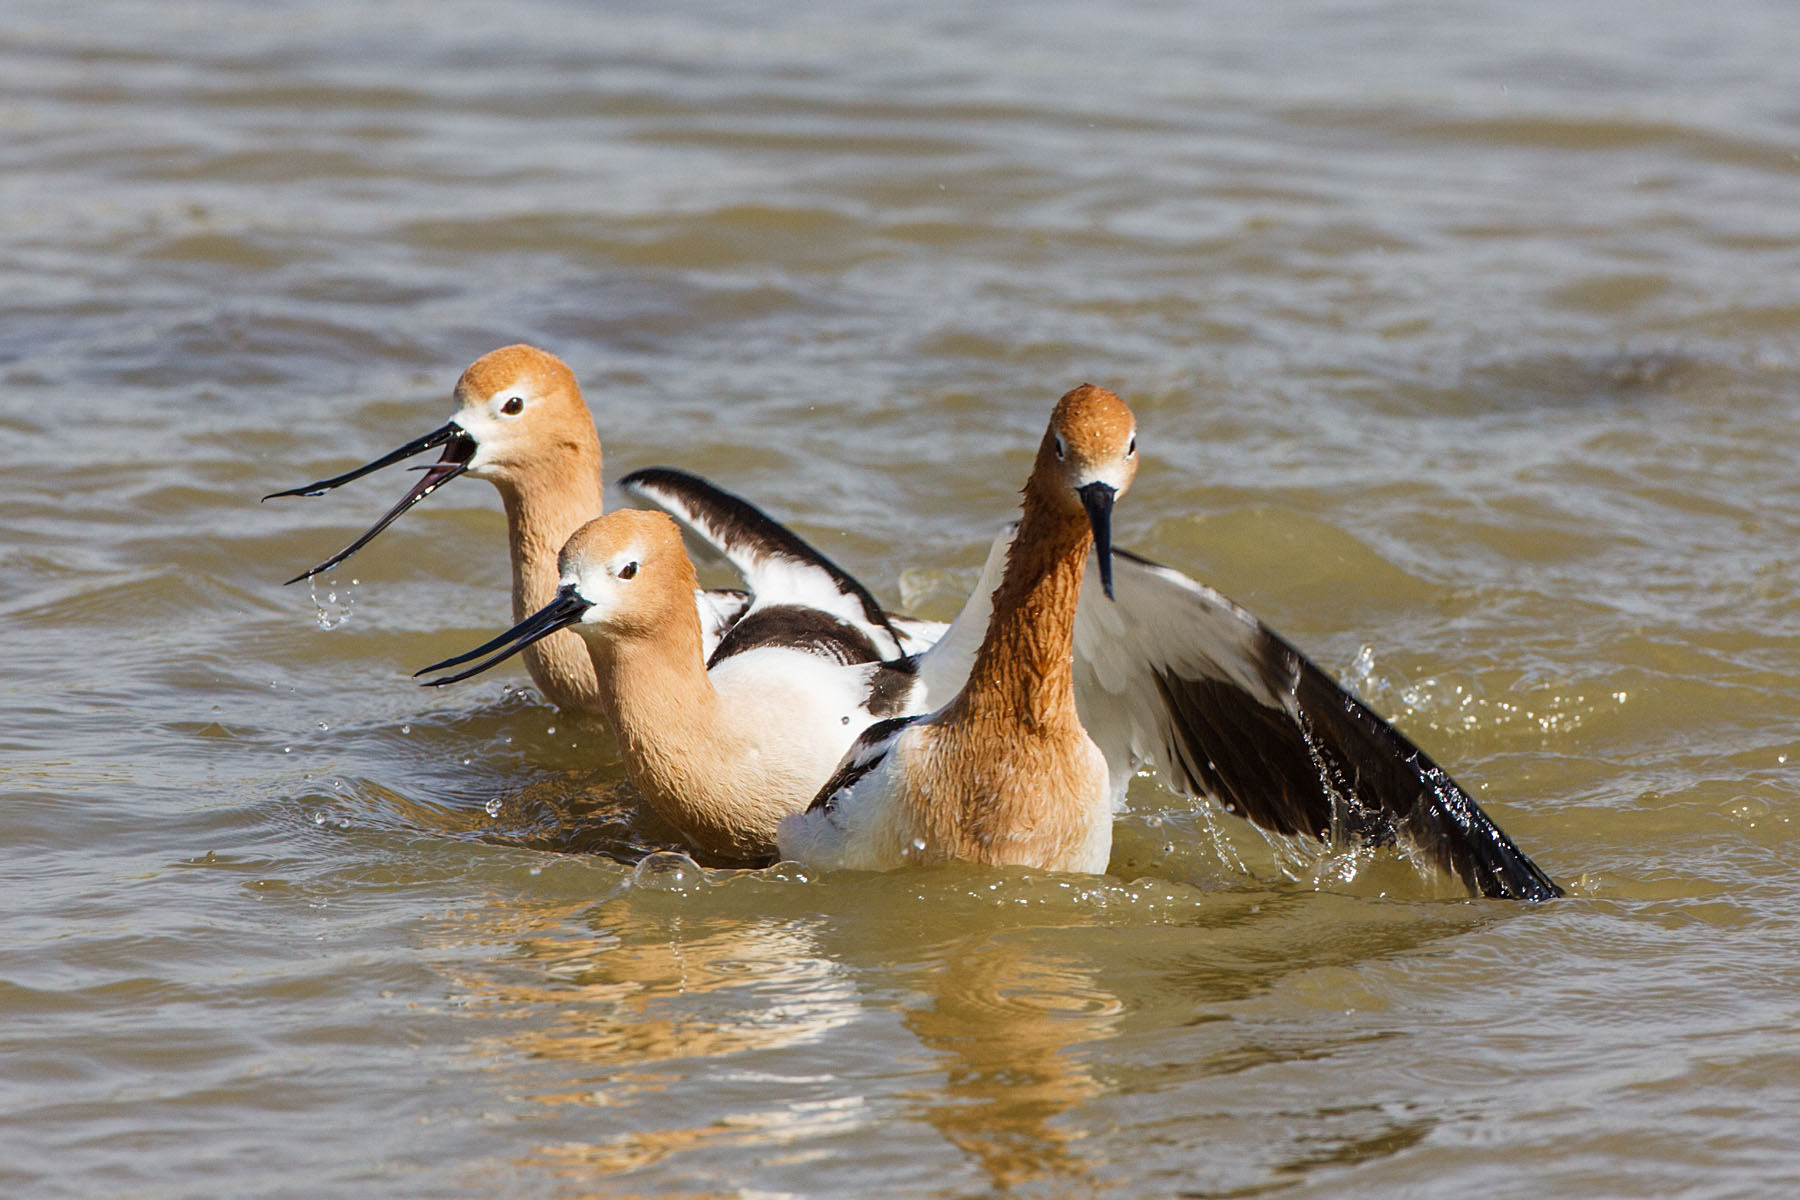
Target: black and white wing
(796, 592)
(1175, 675)
(847, 824)
(868, 752)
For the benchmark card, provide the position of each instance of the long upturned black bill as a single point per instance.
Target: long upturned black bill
(1097, 498)
(459, 448)
(448, 431)
(560, 613)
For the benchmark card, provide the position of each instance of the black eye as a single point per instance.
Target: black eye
(513, 406)
(1131, 449)
(628, 570)
(1061, 449)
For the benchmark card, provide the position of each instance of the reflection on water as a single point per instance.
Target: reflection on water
(629, 994)
(1008, 1019)
(683, 1031)
(660, 988)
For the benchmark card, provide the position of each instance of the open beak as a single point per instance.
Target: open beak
(560, 613)
(1097, 498)
(459, 448)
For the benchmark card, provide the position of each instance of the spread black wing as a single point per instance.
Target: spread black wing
(1176, 675)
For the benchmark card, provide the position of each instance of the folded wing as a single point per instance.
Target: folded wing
(786, 576)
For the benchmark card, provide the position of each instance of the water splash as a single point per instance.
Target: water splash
(1462, 707)
(1220, 840)
(1361, 676)
(330, 611)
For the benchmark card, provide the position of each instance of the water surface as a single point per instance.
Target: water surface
(1462, 340)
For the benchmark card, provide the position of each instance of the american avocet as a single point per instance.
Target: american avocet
(1173, 675)
(1003, 773)
(723, 749)
(522, 425)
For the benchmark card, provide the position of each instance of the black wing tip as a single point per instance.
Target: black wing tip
(1541, 890)
(1439, 816)
(1510, 875)
(1334, 769)
(650, 483)
(649, 476)
(1449, 822)
(1493, 868)
(1532, 888)
(1488, 860)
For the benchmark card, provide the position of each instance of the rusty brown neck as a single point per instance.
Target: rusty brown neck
(1022, 674)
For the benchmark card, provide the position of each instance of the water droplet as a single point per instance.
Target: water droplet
(492, 807)
(329, 612)
(323, 725)
(536, 870)
(406, 729)
(287, 749)
(319, 818)
(551, 730)
(1748, 810)
(668, 871)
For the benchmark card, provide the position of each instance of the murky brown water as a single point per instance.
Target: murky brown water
(1466, 335)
